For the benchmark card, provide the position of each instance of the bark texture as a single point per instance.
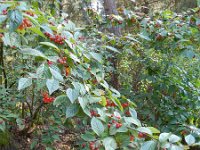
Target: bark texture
(111, 8)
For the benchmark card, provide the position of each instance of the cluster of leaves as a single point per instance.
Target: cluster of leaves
(63, 82)
(158, 66)
(165, 69)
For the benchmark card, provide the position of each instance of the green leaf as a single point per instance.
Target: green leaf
(133, 112)
(133, 120)
(16, 18)
(56, 74)
(83, 101)
(60, 100)
(167, 14)
(164, 137)
(153, 130)
(112, 130)
(33, 144)
(97, 126)
(72, 110)
(112, 49)
(198, 3)
(96, 56)
(190, 139)
(47, 29)
(70, 26)
(37, 31)
(2, 18)
(2, 125)
(188, 53)
(115, 92)
(109, 143)
(116, 101)
(52, 85)
(133, 39)
(20, 123)
(149, 145)
(72, 94)
(33, 52)
(88, 137)
(40, 70)
(144, 36)
(11, 39)
(105, 84)
(24, 82)
(50, 45)
(144, 130)
(74, 57)
(174, 138)
(175, 147)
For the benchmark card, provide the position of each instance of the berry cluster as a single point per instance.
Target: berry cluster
(141, 135)
(47, 98)
(124, 105)
(4, 12)
(93, 146)
(114, 122)
(56, 38)
(30, 13)
(25, 24)
(94, 113)
(62, 60)
(110, 103)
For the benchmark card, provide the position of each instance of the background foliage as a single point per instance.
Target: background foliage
(128, 79)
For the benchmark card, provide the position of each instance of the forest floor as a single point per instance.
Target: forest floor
(19, 142)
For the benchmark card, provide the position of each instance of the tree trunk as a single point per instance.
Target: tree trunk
(111, 8)
(181, 5)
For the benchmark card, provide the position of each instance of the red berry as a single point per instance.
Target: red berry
(118, 125)
(83, 145)
(128, 113)
(4, 12)
(1, 35)
(124, 105)
(120, 22)
(141, 135)
(113, 121)
(94, 81)
(13, 47)
(118, 117)
(131, 138)
(109, 125)
(61, 61)
(159, 37)
(30, 13)
(113, 104)
(49, 62)
(89, 69)
(183, 132)
(94, 113)
(92, 146)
